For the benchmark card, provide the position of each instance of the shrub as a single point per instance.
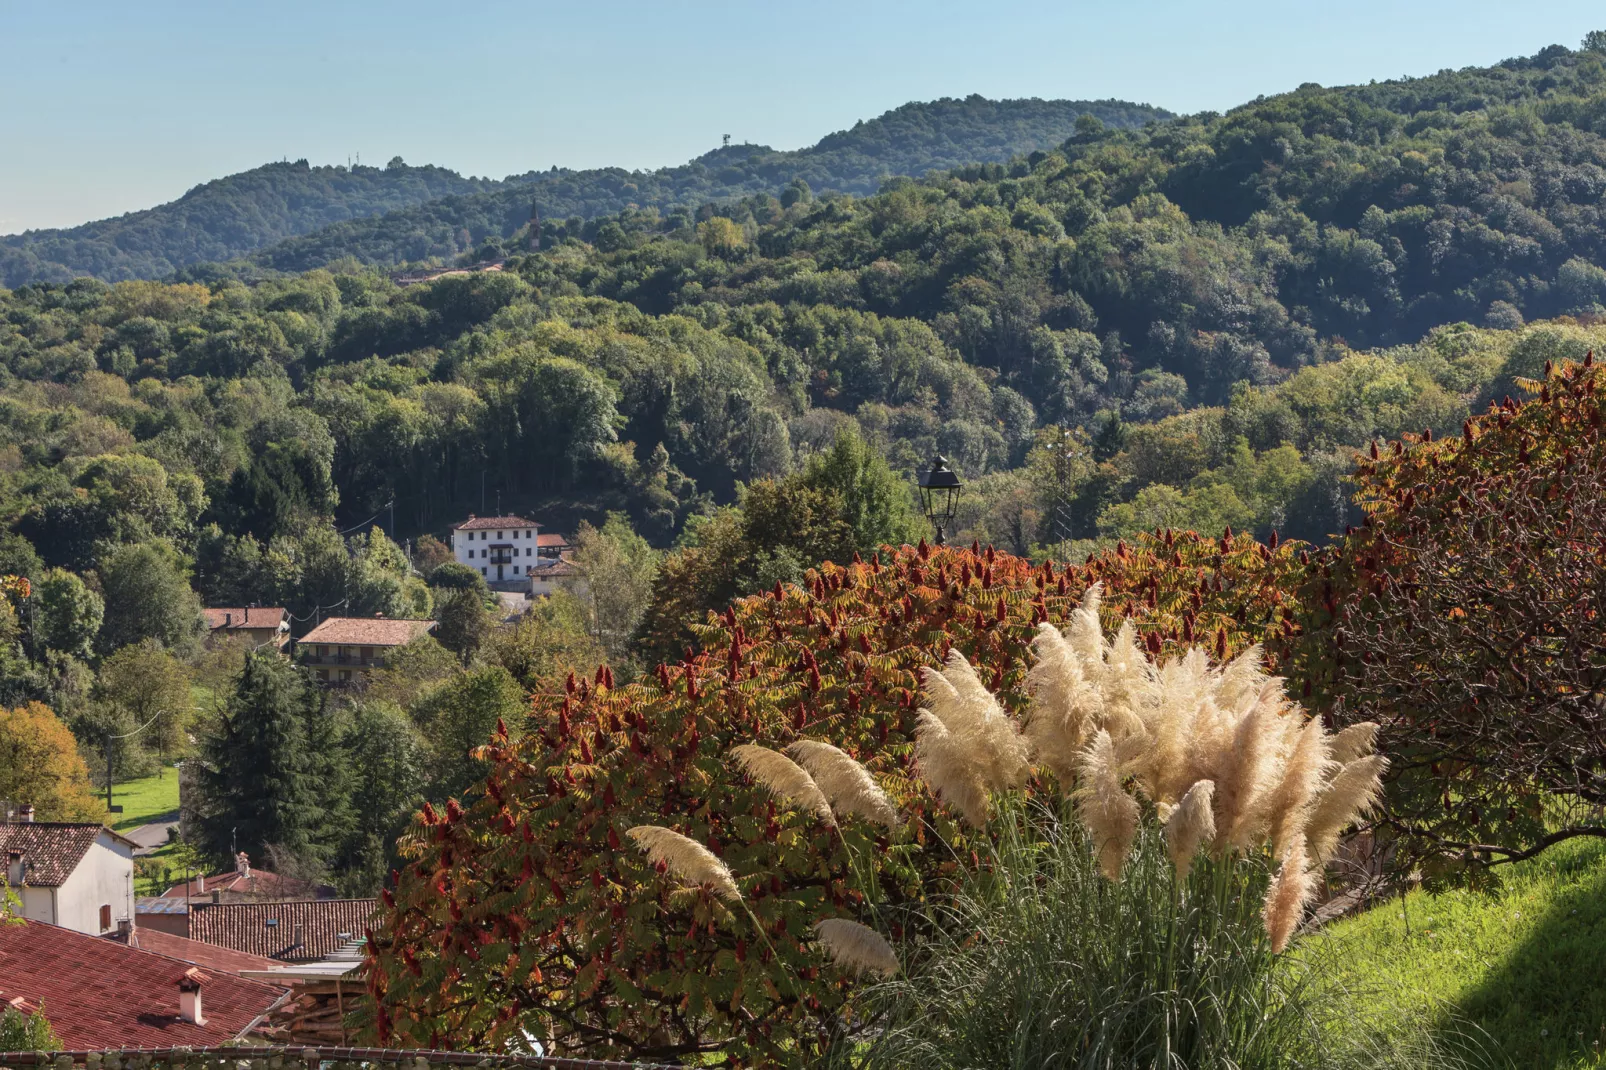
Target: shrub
(27, 1032)
(1466, 618)
(526, 912)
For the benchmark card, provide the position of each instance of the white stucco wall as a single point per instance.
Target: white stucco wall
(472, 548)
(104, 877)
(39, 904)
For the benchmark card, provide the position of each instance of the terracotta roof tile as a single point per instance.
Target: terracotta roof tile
(303, 930)
(551, 540)
(99, 993)
(479, 523)
(222, 959)
(244, 616)
(368, 631)
(52, 850)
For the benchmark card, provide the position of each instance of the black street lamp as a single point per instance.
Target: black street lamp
(939, 494)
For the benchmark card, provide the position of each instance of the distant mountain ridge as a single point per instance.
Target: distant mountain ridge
(910, 140)
(292, 217)
(222, 219)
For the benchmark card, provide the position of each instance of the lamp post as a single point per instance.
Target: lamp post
(939, 494)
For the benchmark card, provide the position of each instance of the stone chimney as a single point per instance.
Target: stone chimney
(25, 813)
(189, 996)
(242, 865)
(228, 620)
(16, 869)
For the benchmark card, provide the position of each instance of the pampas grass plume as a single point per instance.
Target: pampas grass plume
(1303, 775)
(1356, 741)
(686, 859)
(845, 783)
(1290, 890)
(856, 947)
(944, 768)
(1353, 793)
(1189, 826)
(783, 778)
(1109, 813)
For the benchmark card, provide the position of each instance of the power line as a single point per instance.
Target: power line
(388, 505)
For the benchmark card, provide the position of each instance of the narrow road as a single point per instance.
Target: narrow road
(154, 835)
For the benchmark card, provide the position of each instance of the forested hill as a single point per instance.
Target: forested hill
(232, 217)
(1191, 324)
(223, 219)
(911, 140)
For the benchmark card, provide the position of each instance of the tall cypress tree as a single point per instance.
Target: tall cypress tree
(258, 776)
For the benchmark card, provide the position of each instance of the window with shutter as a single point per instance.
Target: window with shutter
(105, 917)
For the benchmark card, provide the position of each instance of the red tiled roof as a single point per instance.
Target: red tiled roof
(51, 849)
(368, 631)
(244, 616)
(551, 540)
(304, 930)
(222, 959)
(101, 994)
(477, 523)
(260, 882)
(548, 569)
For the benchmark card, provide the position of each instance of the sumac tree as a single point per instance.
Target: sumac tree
(1467, 617)
(529, 911)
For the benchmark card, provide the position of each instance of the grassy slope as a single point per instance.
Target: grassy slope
(1527, 964)
(145, 800)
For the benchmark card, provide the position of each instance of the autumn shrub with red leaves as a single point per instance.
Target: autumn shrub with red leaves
(528, 912)
(1466, 617)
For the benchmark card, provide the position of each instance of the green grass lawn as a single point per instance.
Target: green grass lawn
(1527, 964)
(144, 800)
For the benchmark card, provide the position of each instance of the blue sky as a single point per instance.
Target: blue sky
(106, 108)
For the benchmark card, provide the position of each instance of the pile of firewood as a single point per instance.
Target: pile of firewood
(314, 1014)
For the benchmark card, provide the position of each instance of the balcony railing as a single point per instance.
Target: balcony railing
(342, 659)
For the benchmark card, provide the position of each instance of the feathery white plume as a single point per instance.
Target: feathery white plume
(948, 770)
(1189, 826)
(847, 784)
(686, 859)
(783, 778)
(856, 947)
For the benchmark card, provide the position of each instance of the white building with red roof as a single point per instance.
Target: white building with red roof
(76, 875)
(502, 549)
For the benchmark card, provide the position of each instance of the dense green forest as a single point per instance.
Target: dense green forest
(438, 213)
(1194, 324)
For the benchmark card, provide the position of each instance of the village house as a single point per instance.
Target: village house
(248, 884)
(261, 626)
(546, 577)
(79, 876)
(342, 650)
(500, 548)
(104, 994)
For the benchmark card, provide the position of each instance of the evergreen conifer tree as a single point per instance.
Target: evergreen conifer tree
(258, 777)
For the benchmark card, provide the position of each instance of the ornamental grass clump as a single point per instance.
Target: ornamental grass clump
(1227, 764)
